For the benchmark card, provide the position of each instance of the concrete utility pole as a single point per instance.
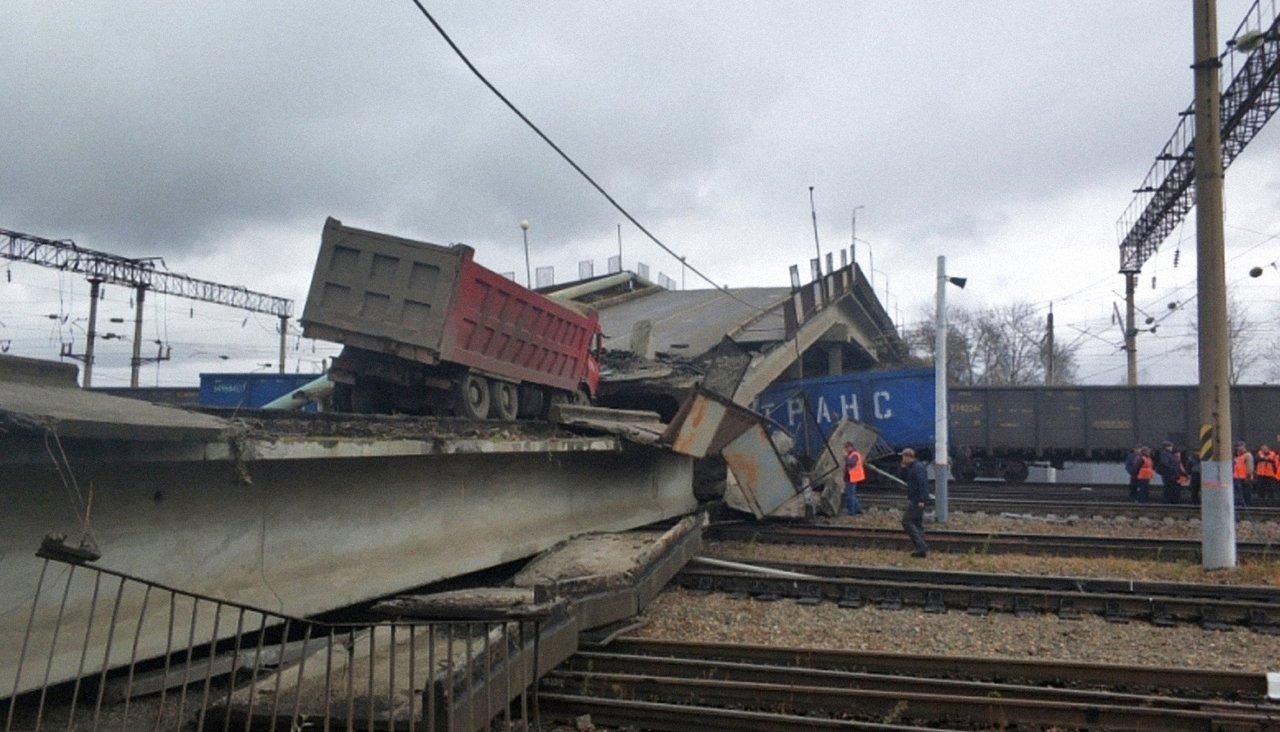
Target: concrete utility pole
(284, 333)
(941, 463)
(1217, 500)
(135, 364)
(1049, 376)
(528, 272)
(1130, 330)
(95, 290)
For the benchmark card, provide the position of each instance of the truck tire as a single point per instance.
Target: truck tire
(471, 396)
(504, 400)
(533, 402)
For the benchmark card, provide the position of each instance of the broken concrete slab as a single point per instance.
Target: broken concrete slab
(639, 426)
(39, 397)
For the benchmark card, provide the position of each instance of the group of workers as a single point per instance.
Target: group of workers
(1254, 475)
(917, 479)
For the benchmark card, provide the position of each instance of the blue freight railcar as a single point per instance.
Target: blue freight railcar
(249, 390)
(897, 403)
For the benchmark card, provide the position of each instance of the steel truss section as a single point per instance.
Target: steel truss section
(114, 269)
(1167, 192)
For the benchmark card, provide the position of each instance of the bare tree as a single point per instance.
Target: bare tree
(996, 346)
(1246, 349)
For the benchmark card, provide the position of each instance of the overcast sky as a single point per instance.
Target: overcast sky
(1007, 136)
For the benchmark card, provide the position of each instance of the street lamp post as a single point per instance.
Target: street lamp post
(853, 235)
(528, 271)
(941, 460)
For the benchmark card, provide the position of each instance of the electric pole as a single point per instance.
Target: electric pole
(941, 467)
(1130, 330)
(1049, 377)
(1217, 501)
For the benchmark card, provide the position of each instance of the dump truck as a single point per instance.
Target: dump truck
(426, 330)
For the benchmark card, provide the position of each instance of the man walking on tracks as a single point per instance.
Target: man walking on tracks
(854, 473)
(917, 478)
(1169, 466)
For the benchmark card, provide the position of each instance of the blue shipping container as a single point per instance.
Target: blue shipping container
(249, 391)
(897, 403)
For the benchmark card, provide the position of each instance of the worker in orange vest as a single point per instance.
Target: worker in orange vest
(855, 471)
(1242, 473)
(1266, 471)
(1146, 471)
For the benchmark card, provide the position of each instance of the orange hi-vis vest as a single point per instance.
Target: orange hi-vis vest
(857, 473)
(1183, 478)
(1145, 472)
(1266, 467)
(1239, 469)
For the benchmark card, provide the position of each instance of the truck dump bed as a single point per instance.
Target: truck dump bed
(433, 304)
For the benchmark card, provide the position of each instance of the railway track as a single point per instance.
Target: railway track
(979, 594)
(970, 542)
(678, 685)
(1041, 507)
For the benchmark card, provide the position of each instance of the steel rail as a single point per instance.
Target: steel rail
(1144, 588)
(693, 717)
(808, 701)
(938, 597)
(605, 662)
(1220, 682)
(984, 543)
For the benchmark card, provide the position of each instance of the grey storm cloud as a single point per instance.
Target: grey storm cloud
(157, 127)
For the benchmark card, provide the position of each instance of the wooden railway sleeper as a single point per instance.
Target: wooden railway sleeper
(1023, 606)
(979, 604)
(850, 599)
(890, 600)
(1067, 609)
(1161, 615)
(1210, 620)
(934, 602)
(1261, 622)
(1114, 612)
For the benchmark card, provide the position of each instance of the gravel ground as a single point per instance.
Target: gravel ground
(1257, 573)
(679, 615)
(1168, 528)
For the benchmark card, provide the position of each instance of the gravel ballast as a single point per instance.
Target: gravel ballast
(681, 615)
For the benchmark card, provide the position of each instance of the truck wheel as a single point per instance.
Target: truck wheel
(533, 402)
(504, 400)
(471, 396)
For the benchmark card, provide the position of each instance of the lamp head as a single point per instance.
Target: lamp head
(1250, 40)
(958, 281)
(1255, 272)
(524, 224)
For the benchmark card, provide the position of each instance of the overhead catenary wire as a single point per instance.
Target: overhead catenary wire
(572, 163)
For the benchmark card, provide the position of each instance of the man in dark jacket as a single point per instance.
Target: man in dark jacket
(1168, 466)
(1131, 465)
(917, 478)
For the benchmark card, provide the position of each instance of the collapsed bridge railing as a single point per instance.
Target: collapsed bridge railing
(230, 666)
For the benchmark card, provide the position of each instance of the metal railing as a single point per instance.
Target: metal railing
(230, 666)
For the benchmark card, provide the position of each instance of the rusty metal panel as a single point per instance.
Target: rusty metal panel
(706, 423)
(761, 475)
